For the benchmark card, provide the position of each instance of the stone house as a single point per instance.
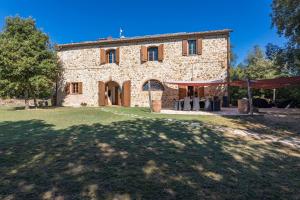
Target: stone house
(119, 71)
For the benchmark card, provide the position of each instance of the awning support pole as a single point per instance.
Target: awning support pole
(250, 96)
(274, 95)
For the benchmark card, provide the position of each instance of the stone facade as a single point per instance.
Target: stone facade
(82, 64)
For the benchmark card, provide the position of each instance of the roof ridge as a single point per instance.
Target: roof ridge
(141, 38)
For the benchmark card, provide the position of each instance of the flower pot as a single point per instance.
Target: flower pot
(243, 106)
(156, 106)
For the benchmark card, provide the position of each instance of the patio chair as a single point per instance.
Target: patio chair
(196, 106)
(208, 105)
(176, 105)
(187, 103)
(216, 104)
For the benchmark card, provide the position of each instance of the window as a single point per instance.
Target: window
(111, 56)
(155, 85)
(152, 53)
(192, 47)
(74, 88)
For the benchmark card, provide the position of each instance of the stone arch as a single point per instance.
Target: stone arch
(153, 83)
(146, 79)
(112, 93)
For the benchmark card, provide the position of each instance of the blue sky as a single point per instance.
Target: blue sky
(73, 21)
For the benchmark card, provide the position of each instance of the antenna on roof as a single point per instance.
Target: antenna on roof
(121, 33)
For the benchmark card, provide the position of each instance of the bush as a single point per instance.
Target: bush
(261, 103)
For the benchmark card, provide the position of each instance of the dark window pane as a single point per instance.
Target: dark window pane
(192, 47)
(112, 56)
(74, 88)
(155, 86)
(153, 53)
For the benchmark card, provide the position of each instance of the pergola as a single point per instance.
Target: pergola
(256, 84)
(269, 83)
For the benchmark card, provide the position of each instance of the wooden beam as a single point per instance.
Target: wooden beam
(249, 96)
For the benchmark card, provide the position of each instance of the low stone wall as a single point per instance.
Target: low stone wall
(18, 102)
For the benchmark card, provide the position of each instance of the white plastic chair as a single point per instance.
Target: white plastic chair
(187, 103)
(196, 106)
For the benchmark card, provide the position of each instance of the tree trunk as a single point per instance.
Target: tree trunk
(35, 102)
(26, 100)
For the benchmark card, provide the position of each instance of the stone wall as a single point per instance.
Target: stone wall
(82, 64)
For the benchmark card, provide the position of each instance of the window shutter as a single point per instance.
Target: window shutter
(201, 92)
(101, 93)
(80, 88)
(161, 52)
(102, 56)
(126, 94)
(182, 92)
(117, 55)
(184, 47)
(144, 56)
(67, 88)
(199, 46)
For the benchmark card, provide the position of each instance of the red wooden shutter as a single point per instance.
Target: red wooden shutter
(126, 94)
(161, 52)
(184, 47)
(101, 93)
(67, 88)
(182, 92)
(80, 88)
(117, 55)
(102, 56)
(199, 46)
(144, 56)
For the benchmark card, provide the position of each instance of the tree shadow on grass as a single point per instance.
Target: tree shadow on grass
(139, 159)
(285, 128)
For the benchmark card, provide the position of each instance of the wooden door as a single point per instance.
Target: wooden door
(201, 92)
(116, 95)
(126, 94)
(181, 92)
(101, 93)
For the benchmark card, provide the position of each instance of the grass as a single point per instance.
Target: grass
(129, 153)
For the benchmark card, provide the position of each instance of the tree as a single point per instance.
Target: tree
(233, 56)
(237, 73)
(286, 60)
(28, 63)
(258, 66)
(286, 17)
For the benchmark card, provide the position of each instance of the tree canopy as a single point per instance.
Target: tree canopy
(28, 63)
(286, 17)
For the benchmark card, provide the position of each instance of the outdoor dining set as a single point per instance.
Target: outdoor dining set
(197, 104)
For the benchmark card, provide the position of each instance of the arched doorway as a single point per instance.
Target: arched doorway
(113, 93)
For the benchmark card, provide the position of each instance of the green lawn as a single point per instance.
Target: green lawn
(129, 153)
